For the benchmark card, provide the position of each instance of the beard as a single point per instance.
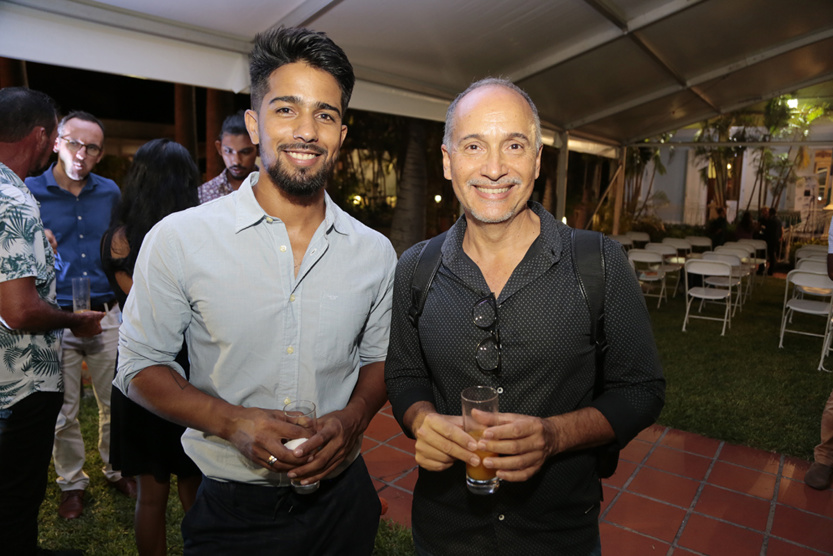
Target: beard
(304, 182)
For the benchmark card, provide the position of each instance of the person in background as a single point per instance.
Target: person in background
(746, 227)
(281, 296)
(76, 205)
(31, 383)
(162, 180)
(239, 155)
(717, 227)
(772, 234)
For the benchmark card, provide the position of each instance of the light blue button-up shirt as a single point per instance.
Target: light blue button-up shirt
(222, 274)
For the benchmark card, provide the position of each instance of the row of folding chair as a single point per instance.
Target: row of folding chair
(807, 251)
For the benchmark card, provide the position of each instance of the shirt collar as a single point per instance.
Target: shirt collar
(49, 175)
(549, 240)
(249, 212)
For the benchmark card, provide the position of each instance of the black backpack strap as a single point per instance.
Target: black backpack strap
(427, 265)
(589, 264)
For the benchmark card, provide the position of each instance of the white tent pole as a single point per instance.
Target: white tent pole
(620, 191)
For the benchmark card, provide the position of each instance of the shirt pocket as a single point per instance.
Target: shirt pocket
(342, 317)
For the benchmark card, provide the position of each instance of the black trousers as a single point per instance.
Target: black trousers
(27, 431)
(340, 518)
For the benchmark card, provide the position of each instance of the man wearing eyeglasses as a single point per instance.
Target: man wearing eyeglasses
(76, 205)
(239, 155)
(505, 310)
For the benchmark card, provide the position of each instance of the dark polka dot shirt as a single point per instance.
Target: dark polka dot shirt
(547, 368)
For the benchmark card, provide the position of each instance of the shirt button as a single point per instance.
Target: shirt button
(290, 350)
(283, 248)
(80, 236)
(287, 401)
(84, 273)
(79, 218)
(83, 255)
(500, 390)
(269, 220)
(292, 297)
(500, 517)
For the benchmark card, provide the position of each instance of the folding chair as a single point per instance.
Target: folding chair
(626, 242)
(700, 243)
(810, 250)
(760, 251)
(796, 303)
(647, 266)
(669, 253)
(745, 253)
(683, 247)
(815, 266)
(708, 269)
(811, 264)
(734, 281)
(639, 239)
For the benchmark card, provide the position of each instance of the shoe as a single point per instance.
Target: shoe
(126, 485)
(819, 476)
(72, 504)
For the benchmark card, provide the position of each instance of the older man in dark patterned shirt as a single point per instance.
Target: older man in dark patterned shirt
(512, 254)
(239, 155)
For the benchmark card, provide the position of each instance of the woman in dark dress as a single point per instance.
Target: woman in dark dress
(163, 179)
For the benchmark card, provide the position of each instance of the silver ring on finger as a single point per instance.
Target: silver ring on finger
(272, 460)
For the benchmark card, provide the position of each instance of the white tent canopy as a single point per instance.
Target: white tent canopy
(609, 71)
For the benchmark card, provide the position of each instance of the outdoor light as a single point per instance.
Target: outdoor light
(357, 199)
(563, 219)
(438, 198)
(729, 166)
(793, 103)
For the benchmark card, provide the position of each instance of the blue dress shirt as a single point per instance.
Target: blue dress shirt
(222, 275)
(78, 224)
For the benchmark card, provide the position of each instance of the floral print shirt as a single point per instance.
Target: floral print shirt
(29, 362)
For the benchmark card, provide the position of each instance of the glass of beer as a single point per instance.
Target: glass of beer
(80, 294)
(480, 407)
(302, 414)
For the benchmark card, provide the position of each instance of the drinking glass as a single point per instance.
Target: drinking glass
(302, 414)
(479, 479)
(80, 294)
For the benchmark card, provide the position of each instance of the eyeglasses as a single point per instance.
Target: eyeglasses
(75, 146)
(487, 355)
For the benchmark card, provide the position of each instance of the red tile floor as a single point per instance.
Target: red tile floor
(673, 493)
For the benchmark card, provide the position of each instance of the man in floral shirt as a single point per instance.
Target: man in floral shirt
(31, 386)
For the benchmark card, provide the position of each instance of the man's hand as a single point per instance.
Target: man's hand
(89, 324)
(259, 433)
(337, 433)
(524, 444)
(440, 440)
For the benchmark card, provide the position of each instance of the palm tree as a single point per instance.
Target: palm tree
(408, 226)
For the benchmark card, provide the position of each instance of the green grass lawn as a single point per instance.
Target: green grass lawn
(739, 388)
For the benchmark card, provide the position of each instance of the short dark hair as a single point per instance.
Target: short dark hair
(234, 125)
(162, 179)
(22, 110)
(279, 46)
(79, 115)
